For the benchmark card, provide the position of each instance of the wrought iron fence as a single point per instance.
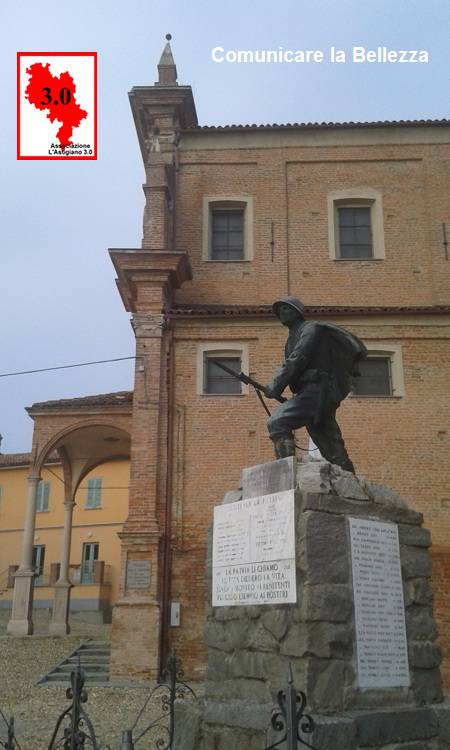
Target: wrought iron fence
(74, 729)
(162, 696)
(289, 719)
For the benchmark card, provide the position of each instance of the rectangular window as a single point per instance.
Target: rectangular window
(217, 380)
(375, 377)
(355, 231)
(227, 234)
(42, 497)
(90, 555)
(38, 564)
(94, 493)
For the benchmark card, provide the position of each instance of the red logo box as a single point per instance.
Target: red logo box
(57, 105)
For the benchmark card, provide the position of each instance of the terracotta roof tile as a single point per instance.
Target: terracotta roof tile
(23, 459)
(102, 399)
(266, 310)
(321, 125)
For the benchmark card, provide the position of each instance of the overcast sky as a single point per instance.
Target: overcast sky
(59, 303)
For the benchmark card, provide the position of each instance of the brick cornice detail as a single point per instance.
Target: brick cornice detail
(148, 325)
(258, 311)
(162, 268)
(139, 537)
(150, 104)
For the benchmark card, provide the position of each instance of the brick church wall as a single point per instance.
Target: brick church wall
(289, 186)
(401, 442)
(440, 556)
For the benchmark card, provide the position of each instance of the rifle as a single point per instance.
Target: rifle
(248, 381)
(258, 388)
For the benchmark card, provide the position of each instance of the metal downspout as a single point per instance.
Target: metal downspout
(167, 552)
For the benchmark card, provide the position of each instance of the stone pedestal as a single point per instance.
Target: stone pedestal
(250, 648)
(21, 622)
(136, 624)
(59, 624)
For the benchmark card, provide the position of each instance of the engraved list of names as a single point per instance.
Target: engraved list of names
(254, 551)
(379, 608)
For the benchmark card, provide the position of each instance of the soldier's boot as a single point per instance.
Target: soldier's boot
(343, 461)
(348, 466)
(284, 447)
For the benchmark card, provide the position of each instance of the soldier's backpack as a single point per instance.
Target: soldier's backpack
(345, 351)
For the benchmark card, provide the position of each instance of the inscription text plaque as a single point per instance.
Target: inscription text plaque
(138, 574)
(381, 644)
(254, 551)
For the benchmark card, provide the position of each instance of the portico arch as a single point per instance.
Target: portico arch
(82, 443)
(83, 446)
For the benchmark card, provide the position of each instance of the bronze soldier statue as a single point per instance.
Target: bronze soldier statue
(320, 360)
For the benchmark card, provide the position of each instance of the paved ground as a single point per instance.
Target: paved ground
(36, 709)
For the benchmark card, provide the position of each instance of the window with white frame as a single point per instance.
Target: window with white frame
(94, 493)
(355, 225)
(43, 497)
(381, 374)
(227, 228)
(212, 380)
(375, 377)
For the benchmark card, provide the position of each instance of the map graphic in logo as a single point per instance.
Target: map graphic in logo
(57, 105)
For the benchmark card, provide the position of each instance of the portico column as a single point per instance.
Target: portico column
(21, 622)
(61, 601)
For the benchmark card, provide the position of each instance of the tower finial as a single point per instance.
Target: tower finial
(167, 71)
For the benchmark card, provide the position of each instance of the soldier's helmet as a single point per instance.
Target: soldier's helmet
(292, 302)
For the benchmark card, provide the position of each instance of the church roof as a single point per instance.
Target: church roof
(322, 125)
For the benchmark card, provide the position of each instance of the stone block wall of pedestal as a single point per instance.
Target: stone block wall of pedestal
(250, 648)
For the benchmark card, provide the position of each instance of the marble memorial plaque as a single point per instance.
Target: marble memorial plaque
(138, 574)
(274, 476)
(381, 644)
(254, 551)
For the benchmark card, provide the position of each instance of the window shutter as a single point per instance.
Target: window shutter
(45, 495)
(94, 492)
(42, 497)
(39, 497)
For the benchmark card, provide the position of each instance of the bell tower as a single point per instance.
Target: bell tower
(147, 279)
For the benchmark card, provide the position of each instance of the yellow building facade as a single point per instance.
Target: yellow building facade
(101, 506)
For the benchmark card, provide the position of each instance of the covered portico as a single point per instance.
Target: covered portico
(84, 432)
